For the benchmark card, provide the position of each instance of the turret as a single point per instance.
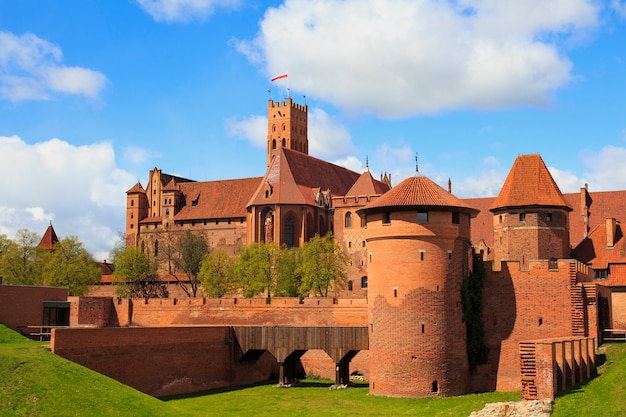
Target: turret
(418, 248)
(286, 127)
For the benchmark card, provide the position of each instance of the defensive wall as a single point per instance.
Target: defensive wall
(22, 306)
(542, 300)
(549, 366)
(163, 361)
(171, 312)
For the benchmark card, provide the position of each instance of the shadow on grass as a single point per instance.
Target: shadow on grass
(307, 383)
(580, 387)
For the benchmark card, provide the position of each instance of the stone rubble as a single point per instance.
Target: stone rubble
(536, 408)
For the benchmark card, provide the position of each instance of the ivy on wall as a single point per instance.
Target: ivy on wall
(471, 298)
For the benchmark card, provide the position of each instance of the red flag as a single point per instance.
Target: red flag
(278, 77)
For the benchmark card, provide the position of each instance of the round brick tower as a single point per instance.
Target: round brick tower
(418, 247)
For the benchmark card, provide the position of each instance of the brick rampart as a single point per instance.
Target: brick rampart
(549, 366)
(163, 361)
(521, 305)
(22, 306)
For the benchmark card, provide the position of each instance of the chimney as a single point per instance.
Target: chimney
(449, 185)
(584, 207)
(610, 231)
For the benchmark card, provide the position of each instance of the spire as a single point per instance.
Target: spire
(367, 163)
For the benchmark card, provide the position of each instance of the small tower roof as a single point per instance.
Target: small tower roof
(49, 238)
(419, 191)
(137, 188)
(529, 184)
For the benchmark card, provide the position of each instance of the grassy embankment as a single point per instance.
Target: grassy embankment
(34, 381)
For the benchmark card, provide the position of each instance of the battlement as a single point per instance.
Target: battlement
(288, 103)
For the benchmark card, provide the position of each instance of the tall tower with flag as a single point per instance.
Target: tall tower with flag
(287, 124)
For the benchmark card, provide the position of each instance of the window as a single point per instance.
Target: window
(349, 244)
(553, 264)
(274, 144)
(132, 203)
(601, 273)
(289, 230)
(284, 143)
(500, 219)
(386, 217)
(449, 254)
(422, 217)
(349, 285)
(156, 248)
(363, 282)
(363, 221)
(456, 217)
(549, 217)
(522, 217)
(348, 222)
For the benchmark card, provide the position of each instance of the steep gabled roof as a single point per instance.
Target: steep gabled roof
(367, 185)
(49, 238)
(529, 184)
(216, 199)
(419, 191)
(293, 177)
(137, 188)
(171, 186)
(593, 249)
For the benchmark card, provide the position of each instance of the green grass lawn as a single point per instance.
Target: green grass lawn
(34, 382)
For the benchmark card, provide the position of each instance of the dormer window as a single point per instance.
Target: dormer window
(522, 217)
(194, 202)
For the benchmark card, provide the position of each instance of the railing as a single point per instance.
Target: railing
(41, 333)
(611, 335)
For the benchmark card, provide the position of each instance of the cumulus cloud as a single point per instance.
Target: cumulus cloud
(184, 10)
(605, 170)
(412, 57)
(79, 188)
(252, 129)
(31, 69)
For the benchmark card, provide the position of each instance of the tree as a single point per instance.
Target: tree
(135, 276)
(322, 265)
(288, 279)
(69, 265)
(193, 248)
(18, 264)
(217, 273)
(255, 268)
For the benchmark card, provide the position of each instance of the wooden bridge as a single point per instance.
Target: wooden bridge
(288, 344)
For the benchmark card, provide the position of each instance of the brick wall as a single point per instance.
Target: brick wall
(521, 305)
(23, 305)
(163, 361)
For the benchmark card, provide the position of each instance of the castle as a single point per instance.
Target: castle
(554, 273)
(410, 249)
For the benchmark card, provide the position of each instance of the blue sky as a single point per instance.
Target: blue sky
(93, 94)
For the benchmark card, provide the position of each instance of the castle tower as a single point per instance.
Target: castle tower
(418, 254)
(136, 210)
(530, 215)
(286, 127)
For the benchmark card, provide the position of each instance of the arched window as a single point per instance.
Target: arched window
(363, 282)
(273, 143)
(289, 231)
(284, 143)
(132, 203)
(348, 220)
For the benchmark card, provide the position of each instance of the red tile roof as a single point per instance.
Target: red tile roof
(49, 239)
(367, 185)
(419, 191)
(294, 177)
(137, 188)
(216, 199)
(529, 183)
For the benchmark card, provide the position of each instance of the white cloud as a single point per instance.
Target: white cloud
(328, 138)
(350, 162)
(413, 57)
(30, 69)
(253, 129)
(78, 187)
(184, 10)
(606, 169)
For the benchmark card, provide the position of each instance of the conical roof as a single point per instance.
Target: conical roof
(419, 191)
(49, 238)
(529, 184)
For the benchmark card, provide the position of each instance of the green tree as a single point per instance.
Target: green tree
(217, 273)
(323, 265)
(18, 262)
(69, 265)
(255, 268)
(288, 279)
(193, 248)
(134, 274)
